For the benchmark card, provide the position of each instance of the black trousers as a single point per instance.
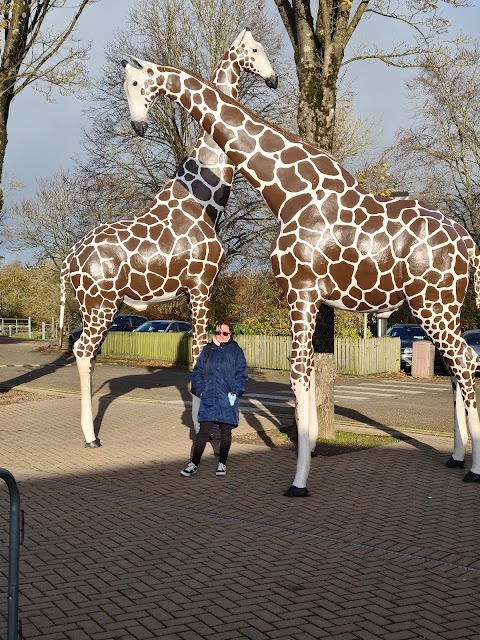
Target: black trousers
(202, 437)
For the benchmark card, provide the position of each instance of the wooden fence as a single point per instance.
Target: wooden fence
(352, 356)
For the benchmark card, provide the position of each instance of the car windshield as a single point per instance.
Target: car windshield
(407, 332)
(154, 325)
(473, 338)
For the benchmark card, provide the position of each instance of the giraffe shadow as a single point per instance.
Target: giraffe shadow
(156, 378)
(394, 432)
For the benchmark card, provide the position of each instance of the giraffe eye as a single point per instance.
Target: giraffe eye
(254, 50)
(135, 83)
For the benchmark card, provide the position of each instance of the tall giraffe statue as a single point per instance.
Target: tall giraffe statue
(336, 244)
(170, 250)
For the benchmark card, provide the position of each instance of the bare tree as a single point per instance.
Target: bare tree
(441, 150)
(193, 34)
(319, 33)
(34, 53)
(65, 208)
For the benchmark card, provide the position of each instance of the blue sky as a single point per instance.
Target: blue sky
(44, 138)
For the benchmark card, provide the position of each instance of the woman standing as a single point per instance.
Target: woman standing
(218, 379)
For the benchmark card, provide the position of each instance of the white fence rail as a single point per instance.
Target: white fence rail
(25, 328)
(16, 326)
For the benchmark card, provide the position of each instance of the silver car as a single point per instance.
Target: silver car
(164, 326)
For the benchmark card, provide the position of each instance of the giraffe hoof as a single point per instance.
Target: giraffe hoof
(471, 477)
(95, 444)
(451, 463)
(296, 492)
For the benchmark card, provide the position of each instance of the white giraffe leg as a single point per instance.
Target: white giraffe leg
(195, 408)
(85, 367)
(303, 312)
(460, 433)
(312, 414)
(302, 397)
(474, 427)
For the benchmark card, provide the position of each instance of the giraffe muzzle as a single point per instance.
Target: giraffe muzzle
(139, 127)
(272, 82)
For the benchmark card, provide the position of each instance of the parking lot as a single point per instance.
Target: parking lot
(119, 545)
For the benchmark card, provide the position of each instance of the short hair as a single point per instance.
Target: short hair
(224, 322)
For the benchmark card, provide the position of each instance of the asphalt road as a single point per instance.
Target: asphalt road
(395, 401)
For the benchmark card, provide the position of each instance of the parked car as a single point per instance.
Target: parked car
(470, 332)
(408, 333)
(472, 338)
(125, 322)
(164, 326)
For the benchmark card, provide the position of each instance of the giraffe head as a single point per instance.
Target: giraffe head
(141, 90)
(251, 57)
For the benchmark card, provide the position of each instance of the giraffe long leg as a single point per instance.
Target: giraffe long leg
(312, 416)
(85, 366)
(199, 303)
(95, 325)
(460, 431)
(445, 332)
(303, 312)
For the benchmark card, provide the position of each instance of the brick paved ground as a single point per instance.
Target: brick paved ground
(120, 546)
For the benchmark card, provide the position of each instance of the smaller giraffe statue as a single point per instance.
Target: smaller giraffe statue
(336, 245)
(172, 249)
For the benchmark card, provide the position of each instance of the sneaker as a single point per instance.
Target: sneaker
(221, 469)
(189, 470)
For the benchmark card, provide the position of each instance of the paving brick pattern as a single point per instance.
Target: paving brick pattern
(120, 546)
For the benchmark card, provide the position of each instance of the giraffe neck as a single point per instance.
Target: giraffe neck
(225, 77)
(267, 156)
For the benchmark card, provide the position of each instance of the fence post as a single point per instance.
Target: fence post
(29, 327)
(43, 330)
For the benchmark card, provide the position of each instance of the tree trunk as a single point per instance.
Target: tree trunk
(5, 100)
(316, 120)
(319, 46)
(323, 348)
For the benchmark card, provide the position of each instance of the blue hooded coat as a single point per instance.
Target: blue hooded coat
(225, 372)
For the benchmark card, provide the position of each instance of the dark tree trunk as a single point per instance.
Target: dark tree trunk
(5, 101)
(318, 56)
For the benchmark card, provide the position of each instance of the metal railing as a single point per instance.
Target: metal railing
(16, 326)
(15, 539)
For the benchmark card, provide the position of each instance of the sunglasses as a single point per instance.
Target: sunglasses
(222, 333)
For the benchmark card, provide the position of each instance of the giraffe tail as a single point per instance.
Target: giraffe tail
(63, 287)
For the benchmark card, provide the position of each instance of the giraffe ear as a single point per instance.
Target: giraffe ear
(240, 37)
(135, 62)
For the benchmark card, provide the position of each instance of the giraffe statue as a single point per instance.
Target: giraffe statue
(170, 250)
(336, 244)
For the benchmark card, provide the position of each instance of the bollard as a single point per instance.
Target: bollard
(423, 358)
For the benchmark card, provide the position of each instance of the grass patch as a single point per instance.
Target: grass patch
(345, 441)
